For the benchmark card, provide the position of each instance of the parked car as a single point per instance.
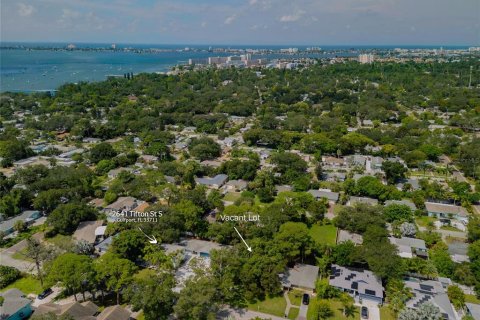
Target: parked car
(364, 313)
(45, 293)
(306, 299)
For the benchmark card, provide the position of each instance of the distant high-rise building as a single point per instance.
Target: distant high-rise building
(366, 58)
(114, 46)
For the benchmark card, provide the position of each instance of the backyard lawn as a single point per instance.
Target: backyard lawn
(424, 221)
(27, 285)
(325, 234)
(274, 306)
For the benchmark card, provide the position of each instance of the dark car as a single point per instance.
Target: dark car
(306, 298)
(364, 313)
(45, 293)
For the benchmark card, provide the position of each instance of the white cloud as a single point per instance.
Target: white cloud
(68, 14)
(203, 24)
(230, 19)
(292, 17)
(25, 10)
(252, 2)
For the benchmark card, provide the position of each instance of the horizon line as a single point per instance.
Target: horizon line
(240, 44)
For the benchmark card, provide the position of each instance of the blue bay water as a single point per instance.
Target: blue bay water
(31, 70)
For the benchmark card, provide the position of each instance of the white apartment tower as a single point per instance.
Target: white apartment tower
(366, 58)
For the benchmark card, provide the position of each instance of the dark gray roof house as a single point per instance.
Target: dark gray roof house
(303, 276)
(409, 247)
(473, 310)
(325, 193)
(429, 291)
(215, 182)
(15, 305)
(357, 282)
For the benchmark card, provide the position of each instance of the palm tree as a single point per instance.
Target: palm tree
(349, 311)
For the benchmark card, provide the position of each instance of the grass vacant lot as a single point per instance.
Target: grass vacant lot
(27, 285)
(325, 234)
(295, 297)
(271, 305)
(20, 255)
(336, 307)
(386, 314)
(232, 196)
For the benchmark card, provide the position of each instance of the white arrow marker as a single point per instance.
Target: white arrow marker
(151, 240)
(248, 247)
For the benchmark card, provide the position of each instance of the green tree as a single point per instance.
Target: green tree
(152, 292)
(456, 296)
(102, 151)
(115, 272)
(397, 212)
(73, 271)
(129, 244)
(198, 300)
(394, 171)
(66, 217)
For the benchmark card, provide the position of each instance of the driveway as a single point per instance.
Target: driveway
(373, 309)
(302, 315)
(56, 292)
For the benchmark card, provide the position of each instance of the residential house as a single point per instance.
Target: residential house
(447, 212)
(103, 246)
(28, 217)
(325, 193)
(458, 251)
(211, 163)
(37, 160)
(334, 176)
(148, 158)
(114, 313)
(333, 163)
(360, 284)
(410, 183)
(301, 276)
(473, 310)
(122, 204)
(236, 185)
(85, 311)
(430, 291)
(15, 305)
(89, 231)
(410, 247)
(78, 311)
(356, 160)
(214, 183)
(344, 236)
(112, 174)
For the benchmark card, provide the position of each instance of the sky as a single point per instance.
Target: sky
(256, 22)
